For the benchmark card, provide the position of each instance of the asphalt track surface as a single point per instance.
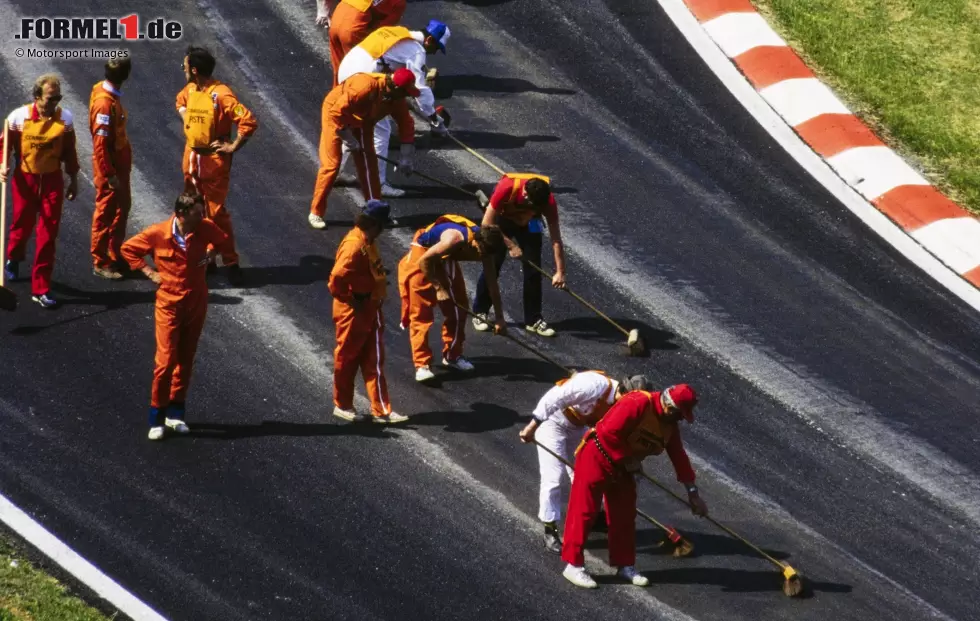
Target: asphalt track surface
(839, 383)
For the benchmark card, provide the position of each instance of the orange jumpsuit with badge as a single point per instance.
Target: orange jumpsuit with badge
(419, 296)
(358, 285)
(112, 156)
(359, 104)
(210, 110)
(181, 301)
(353, 20)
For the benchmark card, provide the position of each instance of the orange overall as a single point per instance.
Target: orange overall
(112, 156)
(358, 285)
(210, 110)
(419, 296)
(42, 146)
(358, 103)
(353, 20)
(182, 299)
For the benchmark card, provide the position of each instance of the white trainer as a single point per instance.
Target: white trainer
(177, 425)
(629, 573)
(317, 222)
(156, 433)
(424, 374)
(479, 325)
(460, 364)
(579, 577)
(389, 191)
(393, 417)
(350, 415)
(540, 328)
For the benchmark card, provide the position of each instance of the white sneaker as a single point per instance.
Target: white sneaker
(424, 374)
(391, 418)
(630, 573)
(156, 433)
(540, 328)
(350, 415)
(317, 222)
(177, 425)
(460, 364)
(388, 191)
(479, 325)
(579, 577)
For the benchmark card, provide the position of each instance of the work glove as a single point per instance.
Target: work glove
(405, 162)
(347, 136)
(439, 128)
(443, 114)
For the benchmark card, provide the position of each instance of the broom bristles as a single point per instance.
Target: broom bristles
(684, 548)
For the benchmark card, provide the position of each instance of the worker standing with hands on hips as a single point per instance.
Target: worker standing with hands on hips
(358, 284)
(112, 162)
(353, 20)
(348, 115)
(517, 205)
(429, 275)
(179, 247)
(637, 426)
(41, 136)
(386, 50)
(569, 407)
(210, 110)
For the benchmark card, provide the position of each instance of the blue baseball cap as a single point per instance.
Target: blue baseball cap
(439, 32)
(377, 210)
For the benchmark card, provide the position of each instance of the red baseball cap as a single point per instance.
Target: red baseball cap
(682, 397)
(405, 80)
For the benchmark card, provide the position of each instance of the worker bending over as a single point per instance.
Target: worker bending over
(568, 409)
(209, 110)
(388, 49)
(517, 206)
(429, 275)
(348, 116)
(638, 425)
(358, 284)
(353, 20)
(179, 247)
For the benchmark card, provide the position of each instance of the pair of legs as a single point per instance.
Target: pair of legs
(210, 176)
(331, 156)
(178, 330)
(382, 136)
(360, 347)
(112, 206)
(420, 297)
(530, 243)
(38, 201)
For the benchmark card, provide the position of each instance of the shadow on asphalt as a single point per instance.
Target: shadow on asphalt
(508, 369)
(311, 269)
(447, 84)
(218, 431)
(481, 417)
(596, 329)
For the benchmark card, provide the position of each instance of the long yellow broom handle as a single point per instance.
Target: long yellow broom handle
(581, 299)
(478, 156)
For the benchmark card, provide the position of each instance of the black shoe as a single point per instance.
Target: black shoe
(236, 277)
(11, 268)
(552, 543)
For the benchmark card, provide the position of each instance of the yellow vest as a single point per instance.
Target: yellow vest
(383, 39)
(593, 416)
(520, 214)
(200, 117)
(378, 271)
(41, 144)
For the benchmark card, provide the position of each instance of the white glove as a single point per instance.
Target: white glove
(347, 136)
(405, 164)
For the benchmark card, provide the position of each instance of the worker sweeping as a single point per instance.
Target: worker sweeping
(42, 138)
(353, 20)
(562, 415)
(517, 206)
(429, 275)
(638, 425)
(348, 115)
(358, 284)
(179, 248)
(388, 49)
(210, 110)
(112, 162)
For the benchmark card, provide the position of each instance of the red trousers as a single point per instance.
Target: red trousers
(419, 304)
(331, 154)
(360, 346)
(210, 176)
(36, 195)
(109, 220)
(595, 478)
(178, 329)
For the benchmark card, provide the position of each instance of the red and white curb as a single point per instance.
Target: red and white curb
(846, 144)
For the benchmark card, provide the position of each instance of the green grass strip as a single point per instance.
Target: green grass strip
(909, 68)
(27, 594)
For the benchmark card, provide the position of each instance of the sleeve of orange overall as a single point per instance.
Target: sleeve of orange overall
(136, 249)
(406, 124)
(678, 457)
(345, 270)
(69, 154)
(182, 99)
(100, 120)
(242, 117)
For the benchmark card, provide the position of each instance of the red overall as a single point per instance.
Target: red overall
(624, 433)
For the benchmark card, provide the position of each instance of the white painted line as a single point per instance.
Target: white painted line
(798, 100)
(956, 241)
(754, 103)
(737, 33)
(873, 171)
(85, 572)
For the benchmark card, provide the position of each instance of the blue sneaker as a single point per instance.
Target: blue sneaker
(45, 300)
(11, 269)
